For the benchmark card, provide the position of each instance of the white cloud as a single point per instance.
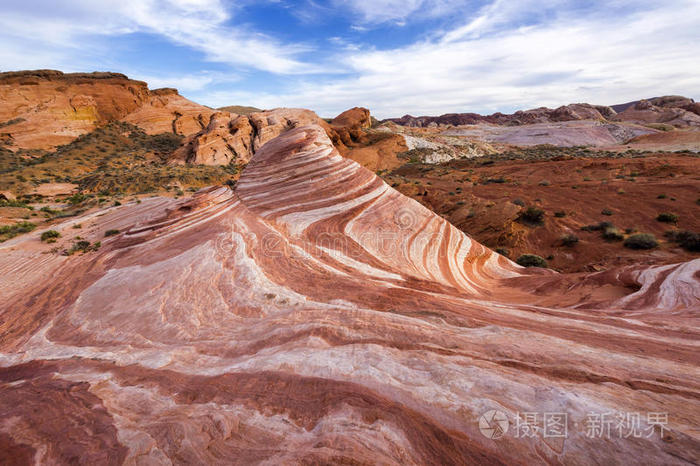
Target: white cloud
(197, 24)
(502, 56)
(399, 11)
(598, 58)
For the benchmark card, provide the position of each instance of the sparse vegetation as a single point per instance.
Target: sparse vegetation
(667, 217)
(612, 233)
(641, 241)
(503, 251)
(117, 158)
(532, 215)
(111, 232)
(569, 240)
(50, 236)
(15, 203)
(560, 214)
(688, 240)
(82, 246)
(606, 212)
(597, 226)
(531, 260)
(10, 231)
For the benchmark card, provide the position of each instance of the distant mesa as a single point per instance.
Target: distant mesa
(677, 111)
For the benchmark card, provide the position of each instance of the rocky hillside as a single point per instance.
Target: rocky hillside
(231, 138)
(45, 108)
(676, 111)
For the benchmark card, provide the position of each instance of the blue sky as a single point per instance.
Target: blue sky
(392, 56)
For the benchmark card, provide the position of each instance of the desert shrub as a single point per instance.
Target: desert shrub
(49, 210)
(661, 196)
(612, 234)
(10, 231)
(531, 260)
(606, 212)
(50, 236)
(667, 217)
(76, 198)
(164, 142)
(15, 203)
(688, 240)
(569, 240)
(532, 215)
(641, 241)
(503, 251)
(77, 226)
(519, 202)
(560, 214)
(597, 226)
(82, 246)
(111, 232)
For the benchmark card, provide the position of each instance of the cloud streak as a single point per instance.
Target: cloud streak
(495, 56)
(202, 25)
(483, 66)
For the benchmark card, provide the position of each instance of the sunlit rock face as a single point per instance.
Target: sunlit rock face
(42, 109)
(314, 315)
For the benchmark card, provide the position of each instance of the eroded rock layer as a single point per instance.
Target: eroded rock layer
(232, 138)
(45, 108)
(316, 316)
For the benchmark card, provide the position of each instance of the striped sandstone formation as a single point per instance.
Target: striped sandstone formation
(315, 315)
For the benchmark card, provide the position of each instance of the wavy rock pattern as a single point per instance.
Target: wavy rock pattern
(316, 316)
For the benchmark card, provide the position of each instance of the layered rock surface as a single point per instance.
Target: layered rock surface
(235, 138)
(45, 108)
(315, 315)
